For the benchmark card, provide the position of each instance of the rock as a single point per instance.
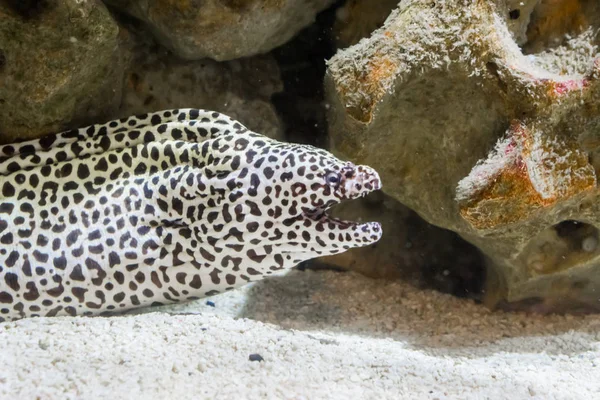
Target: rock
(411, 249)
(222, 29)
(562, 36)
(60, 66)
(478, 136)
(242, 89)
(356, 19)
(301, 61)
(517, 14)
(255, 357)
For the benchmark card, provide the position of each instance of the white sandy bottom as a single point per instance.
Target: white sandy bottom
(323, 335)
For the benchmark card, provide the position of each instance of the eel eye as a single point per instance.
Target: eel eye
(333, 178)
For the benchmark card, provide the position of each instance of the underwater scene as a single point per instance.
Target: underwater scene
(299, 199)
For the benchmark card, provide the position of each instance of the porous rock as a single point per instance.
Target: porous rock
(222, 29)
(483, 117)
(60, 66)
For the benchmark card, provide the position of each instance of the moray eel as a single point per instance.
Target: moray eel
(163, 207)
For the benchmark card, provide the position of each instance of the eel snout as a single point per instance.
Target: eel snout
(358, 181)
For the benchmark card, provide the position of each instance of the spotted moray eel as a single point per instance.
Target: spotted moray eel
(164, 207)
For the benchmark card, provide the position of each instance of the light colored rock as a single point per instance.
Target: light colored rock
(480, 138)
(60, 66)
(222, 29)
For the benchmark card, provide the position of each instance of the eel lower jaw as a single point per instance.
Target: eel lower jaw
(362, 233)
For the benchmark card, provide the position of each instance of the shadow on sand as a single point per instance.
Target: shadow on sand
(347, 303)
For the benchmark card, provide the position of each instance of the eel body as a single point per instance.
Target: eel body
(164, 207)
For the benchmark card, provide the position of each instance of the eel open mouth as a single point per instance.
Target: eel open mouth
(355, 182)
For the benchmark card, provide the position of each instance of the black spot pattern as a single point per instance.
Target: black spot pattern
(163, 207)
